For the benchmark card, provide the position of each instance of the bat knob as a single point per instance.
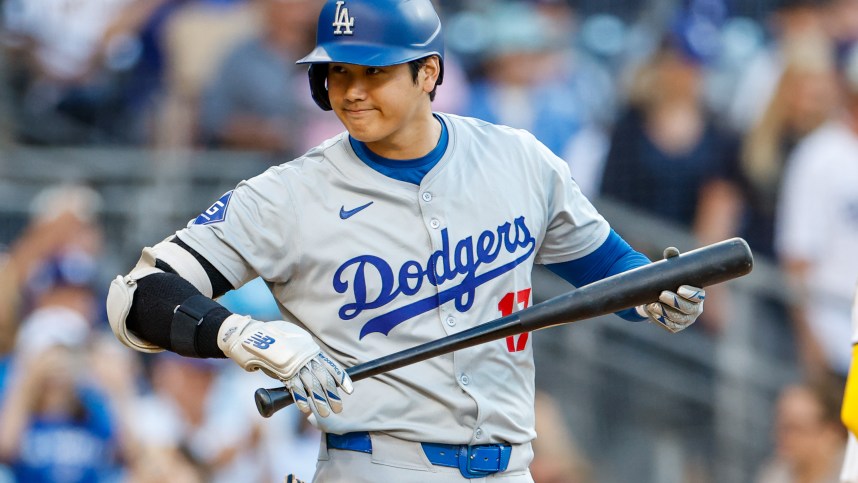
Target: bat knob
(671, 252)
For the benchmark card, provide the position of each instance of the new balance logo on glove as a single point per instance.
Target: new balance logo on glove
(260, 341)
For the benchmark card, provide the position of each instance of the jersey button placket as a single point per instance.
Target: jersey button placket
(451, 321)
(465, 379)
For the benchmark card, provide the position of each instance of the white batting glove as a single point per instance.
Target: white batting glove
(287, 352)
(675, 311)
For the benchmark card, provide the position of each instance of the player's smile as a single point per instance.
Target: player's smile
(357, 112)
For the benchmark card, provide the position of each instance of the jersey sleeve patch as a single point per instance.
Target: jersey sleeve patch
(216, 213)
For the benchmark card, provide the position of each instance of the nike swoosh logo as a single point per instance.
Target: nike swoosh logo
(349, 213)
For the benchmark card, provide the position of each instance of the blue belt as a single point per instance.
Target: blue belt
(473, 461)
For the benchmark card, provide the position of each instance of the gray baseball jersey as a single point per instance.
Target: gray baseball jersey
(371, 266)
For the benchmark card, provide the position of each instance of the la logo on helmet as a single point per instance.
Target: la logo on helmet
(342, 22)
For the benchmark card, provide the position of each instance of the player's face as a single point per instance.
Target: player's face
(384, 107)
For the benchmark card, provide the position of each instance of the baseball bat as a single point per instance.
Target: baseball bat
(701, 267)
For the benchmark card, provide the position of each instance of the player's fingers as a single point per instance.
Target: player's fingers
(676, 316)
(299, 394)
(339, 374)
(692, 293)
(681, 304)
(669, 317)
(330, 385)
(317, 394)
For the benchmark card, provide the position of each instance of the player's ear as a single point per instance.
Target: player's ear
(429, 73)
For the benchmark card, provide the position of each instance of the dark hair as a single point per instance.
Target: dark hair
(415, 66)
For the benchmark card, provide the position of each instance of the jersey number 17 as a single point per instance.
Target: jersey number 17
(508, 304)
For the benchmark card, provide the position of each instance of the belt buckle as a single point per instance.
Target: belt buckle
(480, 461)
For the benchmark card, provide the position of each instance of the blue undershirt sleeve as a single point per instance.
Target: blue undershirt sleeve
(614, 256)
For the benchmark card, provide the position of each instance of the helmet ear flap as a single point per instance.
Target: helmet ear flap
(318, 75)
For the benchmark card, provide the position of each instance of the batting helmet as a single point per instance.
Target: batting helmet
(374, 33)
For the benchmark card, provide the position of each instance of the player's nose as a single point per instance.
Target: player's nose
(355, 89)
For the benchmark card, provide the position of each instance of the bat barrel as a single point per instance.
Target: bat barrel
(702, 267)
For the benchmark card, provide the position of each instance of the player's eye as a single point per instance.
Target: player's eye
(336, 69)
(373, 71)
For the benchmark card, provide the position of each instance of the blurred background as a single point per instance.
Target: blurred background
(685, 121)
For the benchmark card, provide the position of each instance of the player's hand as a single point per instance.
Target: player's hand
(675, 311)
(287, 352)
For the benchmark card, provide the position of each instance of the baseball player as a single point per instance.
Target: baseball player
(409, 226)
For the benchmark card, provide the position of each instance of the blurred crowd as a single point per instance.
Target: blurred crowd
(718, 117)
(77, 406)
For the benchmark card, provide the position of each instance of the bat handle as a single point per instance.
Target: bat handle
(269, 401)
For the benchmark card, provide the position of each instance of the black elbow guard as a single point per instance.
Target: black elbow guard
(187, 323)
(169, 312)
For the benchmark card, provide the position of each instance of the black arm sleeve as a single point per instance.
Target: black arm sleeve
(153, 307)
